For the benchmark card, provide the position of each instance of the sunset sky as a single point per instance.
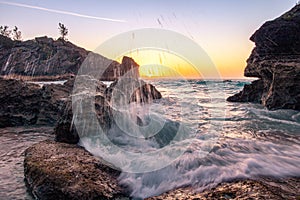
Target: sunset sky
(221, 27)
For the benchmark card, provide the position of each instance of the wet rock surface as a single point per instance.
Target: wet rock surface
(250, 93)
(64, 171)
(132, 90)
(276, 62)
(94, 98)
(275, 189)
(88, 96)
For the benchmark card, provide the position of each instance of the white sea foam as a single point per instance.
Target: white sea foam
(220, 142)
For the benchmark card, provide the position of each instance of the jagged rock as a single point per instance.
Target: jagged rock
(276, 62)
(44, 56)
(64, 171)
(146, 93)
(127, 67)
(132, 90)
(89, 91)
(83, 96)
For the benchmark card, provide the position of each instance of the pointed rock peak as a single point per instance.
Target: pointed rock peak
(128, 61)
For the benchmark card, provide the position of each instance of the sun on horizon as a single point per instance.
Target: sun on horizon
(162, 64)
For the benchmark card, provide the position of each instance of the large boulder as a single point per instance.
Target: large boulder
(276, 62)
(64, 171)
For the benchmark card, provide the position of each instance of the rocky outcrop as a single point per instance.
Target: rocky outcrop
(132, 90)
(276, 62)
(44, 56)
(63, 171)
(128, 67)
(24, 103)
(143, 92)
(250, 93)
(65, 131)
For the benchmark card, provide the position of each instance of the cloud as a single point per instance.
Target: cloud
(61, 12)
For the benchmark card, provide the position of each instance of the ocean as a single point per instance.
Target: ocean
(190, 137)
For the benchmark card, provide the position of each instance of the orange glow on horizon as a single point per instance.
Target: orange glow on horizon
(161, 64)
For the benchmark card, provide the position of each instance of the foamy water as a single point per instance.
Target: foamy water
(220, 141)
(217, 141)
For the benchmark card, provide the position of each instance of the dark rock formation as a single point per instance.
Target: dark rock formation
(44, 56)
(276, 62)
(275, 189)
(250, 93)
(145, 93)
(24, 103)
(65, 130)
(127, 67)
(132, 90)
(63, 171)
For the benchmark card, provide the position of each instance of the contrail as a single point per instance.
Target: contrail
(60, 11)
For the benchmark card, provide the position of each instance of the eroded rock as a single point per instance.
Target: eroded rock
(276, 62)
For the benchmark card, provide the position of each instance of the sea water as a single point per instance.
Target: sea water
(220, 141)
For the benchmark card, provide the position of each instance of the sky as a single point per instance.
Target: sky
(221, 28)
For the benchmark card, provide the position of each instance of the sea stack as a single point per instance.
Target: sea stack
(275, 61)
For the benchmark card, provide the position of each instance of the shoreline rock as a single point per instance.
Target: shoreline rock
(276, 62)
(24, 103)
(275, 189)
(65, 130)
(50, 176)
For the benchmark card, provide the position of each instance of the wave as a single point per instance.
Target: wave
(222, 164)
(218, 141)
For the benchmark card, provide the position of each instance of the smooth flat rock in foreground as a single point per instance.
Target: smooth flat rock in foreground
(64, 171)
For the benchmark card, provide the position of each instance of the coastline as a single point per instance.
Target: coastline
(250, 147)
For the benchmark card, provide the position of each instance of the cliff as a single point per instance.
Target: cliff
(275, 61)
(44, 56)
